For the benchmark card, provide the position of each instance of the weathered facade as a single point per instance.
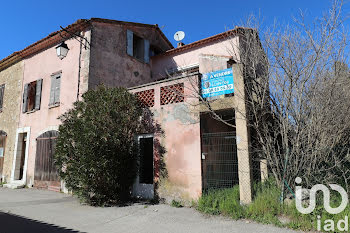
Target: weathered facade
(109, 54)
(191, 162)
(198, 152)
(11, 78)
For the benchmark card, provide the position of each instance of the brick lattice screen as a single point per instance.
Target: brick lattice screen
(146, 97)
(172, 94)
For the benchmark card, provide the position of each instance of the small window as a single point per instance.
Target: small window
(2, 92)
(32, 96)
(172, 94)
(55, 90)
(146, 97)
(138, 47)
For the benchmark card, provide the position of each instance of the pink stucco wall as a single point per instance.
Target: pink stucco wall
(42, 66)
(181, 121)
(224, 47)
(181, 140)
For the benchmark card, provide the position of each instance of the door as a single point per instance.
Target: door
(19, 161)
(219, 161)
(2, 152)
(144, 184)
(46, 174)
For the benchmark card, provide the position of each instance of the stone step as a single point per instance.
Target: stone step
(14, 186)
(54, 188)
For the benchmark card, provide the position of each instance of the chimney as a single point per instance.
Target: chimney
(179, 44)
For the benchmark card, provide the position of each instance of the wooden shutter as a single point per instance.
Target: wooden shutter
(146, 53)
(2, 90)
(25, 98)
(57, 89)
(52, 90)
(38, 94)
(129, 41)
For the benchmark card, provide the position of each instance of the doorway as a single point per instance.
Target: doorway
(219, 151)
(19, 167)
(3, 136)
(144, 184)
(46, 173)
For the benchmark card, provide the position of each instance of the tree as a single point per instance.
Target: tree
(296, 90)
(95, 150)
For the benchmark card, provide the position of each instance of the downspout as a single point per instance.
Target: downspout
(79, 68)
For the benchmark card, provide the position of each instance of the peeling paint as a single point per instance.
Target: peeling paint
(182, 113)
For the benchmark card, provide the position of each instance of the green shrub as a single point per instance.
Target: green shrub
(224, 201)
(266, 205)
(267, 208)
(176, 204)
(95, 150)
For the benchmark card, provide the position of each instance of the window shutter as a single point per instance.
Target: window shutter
(39, 84)
(130, 40)
(57, 89)
(146, 53)
(25, 98)
(52, 90)
(2, 90)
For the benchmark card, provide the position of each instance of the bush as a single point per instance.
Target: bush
(266, 205)
(95, 150)
(176, 204)
(224, 201)
(267, 208)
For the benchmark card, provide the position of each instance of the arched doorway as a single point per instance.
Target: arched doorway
(46, 175)
(3, 136)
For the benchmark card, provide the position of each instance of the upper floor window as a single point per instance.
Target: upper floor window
(32, 96)
(2, 92)
(55, 90)
(137, 47)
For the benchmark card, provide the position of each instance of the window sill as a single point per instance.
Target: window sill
(54, 105)
(137, 59)
(31, 111)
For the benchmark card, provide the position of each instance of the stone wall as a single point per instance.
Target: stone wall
(110, 64)
(9, 117)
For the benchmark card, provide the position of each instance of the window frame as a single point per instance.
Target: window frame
(34, 97)
(55, 89)
(131, 43)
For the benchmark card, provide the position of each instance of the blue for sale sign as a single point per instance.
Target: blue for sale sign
(216, 83)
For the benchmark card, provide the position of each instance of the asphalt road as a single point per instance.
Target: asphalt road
(41, 211)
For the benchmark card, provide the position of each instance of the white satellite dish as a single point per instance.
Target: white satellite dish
(179, 35)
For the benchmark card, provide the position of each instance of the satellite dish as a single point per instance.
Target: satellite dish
(179, 35)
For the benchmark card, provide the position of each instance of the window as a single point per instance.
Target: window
(146, 97)
(137, 47)
(2, 91)
(172, 94)
(55, 90)
(32, 96)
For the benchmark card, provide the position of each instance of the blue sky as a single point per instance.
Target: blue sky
(23, 22)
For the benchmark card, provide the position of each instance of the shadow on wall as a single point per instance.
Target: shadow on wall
(150, 126)
(16, 224)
